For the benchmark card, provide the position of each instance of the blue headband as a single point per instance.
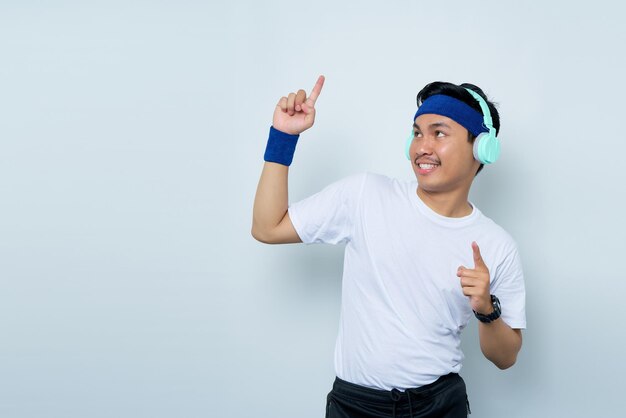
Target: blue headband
(455, 109)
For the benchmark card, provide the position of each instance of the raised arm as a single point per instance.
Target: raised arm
(293, 115)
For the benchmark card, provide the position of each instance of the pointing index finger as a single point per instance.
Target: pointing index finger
(478, 259)
(317, 89)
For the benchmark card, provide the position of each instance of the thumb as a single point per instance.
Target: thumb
(309, 112)
(308, 105)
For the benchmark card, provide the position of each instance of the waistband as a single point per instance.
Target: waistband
(358, 392)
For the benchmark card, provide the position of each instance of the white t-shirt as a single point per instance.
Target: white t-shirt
(403, 308)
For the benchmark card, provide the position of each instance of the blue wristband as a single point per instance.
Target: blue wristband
(280, 147)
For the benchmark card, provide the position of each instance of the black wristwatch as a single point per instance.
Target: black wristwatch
(495, 302)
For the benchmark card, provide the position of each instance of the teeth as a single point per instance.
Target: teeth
(427, 166)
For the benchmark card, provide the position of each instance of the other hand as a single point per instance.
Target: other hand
(475, 283)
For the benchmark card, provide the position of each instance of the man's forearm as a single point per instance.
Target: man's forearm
(271, 200)
(500, 343)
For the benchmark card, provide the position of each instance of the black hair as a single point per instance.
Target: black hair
(459, 92)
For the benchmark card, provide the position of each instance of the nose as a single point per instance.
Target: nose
(423, 145)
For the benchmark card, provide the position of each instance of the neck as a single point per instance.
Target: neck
(449, 204)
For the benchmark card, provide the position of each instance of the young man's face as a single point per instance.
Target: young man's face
(441, 155)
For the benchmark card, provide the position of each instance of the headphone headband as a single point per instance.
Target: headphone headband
(488, 122)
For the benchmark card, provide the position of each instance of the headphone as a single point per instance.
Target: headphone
(486, 145)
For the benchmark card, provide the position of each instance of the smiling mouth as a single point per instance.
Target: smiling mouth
(427, 166)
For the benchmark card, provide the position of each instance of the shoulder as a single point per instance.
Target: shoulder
(497, 234)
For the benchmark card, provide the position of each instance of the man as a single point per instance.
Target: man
(414, 273)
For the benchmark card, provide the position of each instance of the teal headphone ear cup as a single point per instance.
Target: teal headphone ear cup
(407, 146)
(486, 148)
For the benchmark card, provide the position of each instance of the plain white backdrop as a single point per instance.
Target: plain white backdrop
(131, 142)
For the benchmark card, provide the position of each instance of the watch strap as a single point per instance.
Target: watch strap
(495, 303)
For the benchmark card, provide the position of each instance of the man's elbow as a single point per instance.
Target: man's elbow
(260, 235)
(506, 364)
(266, 236)
(282, 233)
(505, 361)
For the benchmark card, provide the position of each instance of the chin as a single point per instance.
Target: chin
(428, 186)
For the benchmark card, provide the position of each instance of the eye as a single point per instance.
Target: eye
(416, 134)
(439, 134)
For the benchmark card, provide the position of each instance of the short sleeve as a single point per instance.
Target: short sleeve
(508, 286)
(328, 216)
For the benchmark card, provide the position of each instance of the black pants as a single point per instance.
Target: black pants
(444, 398)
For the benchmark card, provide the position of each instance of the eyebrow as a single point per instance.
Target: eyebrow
(433, 125)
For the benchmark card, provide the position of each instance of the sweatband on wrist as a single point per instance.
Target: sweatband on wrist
(280, 147)
(455, 109)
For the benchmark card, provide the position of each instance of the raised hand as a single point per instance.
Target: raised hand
(475, 283)
(296, 113)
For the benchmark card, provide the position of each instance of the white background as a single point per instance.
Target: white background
(131, 142)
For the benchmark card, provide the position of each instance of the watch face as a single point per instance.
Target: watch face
(496, 304)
